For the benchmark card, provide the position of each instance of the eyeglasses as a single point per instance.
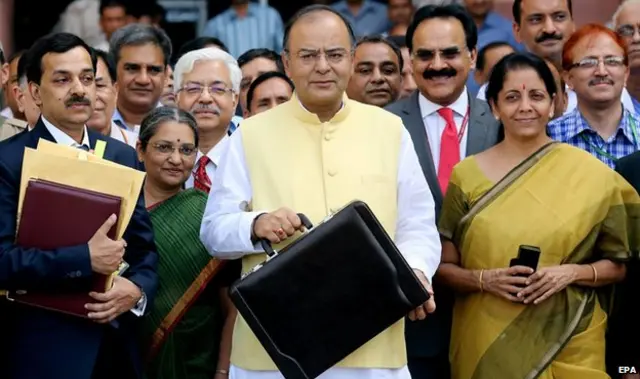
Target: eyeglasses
(215, 89)
(448, 54)
(610, 61)
(309, 57)
(167, 149)
(627, 30)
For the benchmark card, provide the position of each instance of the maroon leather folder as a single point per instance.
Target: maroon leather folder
(56, 215)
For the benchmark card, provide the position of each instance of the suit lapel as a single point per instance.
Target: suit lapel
(412, 119)
(479, 122)
(40, 131)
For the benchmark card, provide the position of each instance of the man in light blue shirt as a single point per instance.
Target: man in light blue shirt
(365, 16)
(245, 26)
(492, 27)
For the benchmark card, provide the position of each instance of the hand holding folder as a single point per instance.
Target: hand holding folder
(67, 198)
(106, 254)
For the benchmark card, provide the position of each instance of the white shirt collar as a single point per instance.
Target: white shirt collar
(215, 153)
(460, 106)
(63, 138)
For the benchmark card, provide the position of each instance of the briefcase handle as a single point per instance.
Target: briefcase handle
(266, 244)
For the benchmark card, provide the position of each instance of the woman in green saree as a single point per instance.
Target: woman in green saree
(183, 333)
(510, 322)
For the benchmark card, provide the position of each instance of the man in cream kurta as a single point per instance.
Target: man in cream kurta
(314, 154)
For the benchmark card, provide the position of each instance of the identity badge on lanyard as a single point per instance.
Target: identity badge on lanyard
(634, 133)
(463, 127)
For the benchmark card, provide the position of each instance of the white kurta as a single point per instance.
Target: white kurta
(226, 232)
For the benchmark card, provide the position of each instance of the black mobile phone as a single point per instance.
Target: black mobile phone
(528, 256)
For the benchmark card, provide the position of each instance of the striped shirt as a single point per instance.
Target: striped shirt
(573, 129)
(261, 28)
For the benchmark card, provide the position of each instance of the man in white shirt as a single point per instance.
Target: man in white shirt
(100, 120)
(313, 154)
(446, 125)
(61, 71)
(207, 84)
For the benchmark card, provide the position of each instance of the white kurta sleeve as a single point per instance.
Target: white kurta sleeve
(226, 226)
(417, 235)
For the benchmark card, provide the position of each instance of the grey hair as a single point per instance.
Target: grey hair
(186, 62)
(137, 35)
(614, 19)
(159, 116)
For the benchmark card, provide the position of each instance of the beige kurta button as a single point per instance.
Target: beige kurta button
(332, 172)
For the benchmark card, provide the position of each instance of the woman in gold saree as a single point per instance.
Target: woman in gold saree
(183, 333)
(510, 322)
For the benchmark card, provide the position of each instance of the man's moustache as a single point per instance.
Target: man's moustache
(77, 101)
(207, 108)
(448, 73)
(600, 80)
(549, 36)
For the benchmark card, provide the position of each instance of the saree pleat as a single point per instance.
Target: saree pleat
(190, 349)
(576, 210)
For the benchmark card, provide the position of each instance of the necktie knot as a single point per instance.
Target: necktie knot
(204, 160)
(447, 115)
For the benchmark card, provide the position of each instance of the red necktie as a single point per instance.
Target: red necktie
(201, 179)
(449, 149)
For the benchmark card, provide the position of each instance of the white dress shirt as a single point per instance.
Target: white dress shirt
(435, 124)
(226, 232)
(63, 138)
(215, 156)
(572, 102)
(123, 135)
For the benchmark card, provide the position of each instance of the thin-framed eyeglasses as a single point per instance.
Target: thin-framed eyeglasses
(197, 89)
(308, 56)
(611, 61)
(164, 148)
(627, 30)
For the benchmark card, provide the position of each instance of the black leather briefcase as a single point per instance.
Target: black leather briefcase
(329, 292)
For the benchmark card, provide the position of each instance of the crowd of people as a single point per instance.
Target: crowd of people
(468, 135)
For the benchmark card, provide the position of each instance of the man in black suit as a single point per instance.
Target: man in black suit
(442, 42)
(45, 344)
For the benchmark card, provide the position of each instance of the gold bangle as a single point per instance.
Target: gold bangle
(595, 273)
(223, 372)
(480, 279)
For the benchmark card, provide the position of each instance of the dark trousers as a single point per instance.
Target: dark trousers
(114, 361)
(430, 367)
